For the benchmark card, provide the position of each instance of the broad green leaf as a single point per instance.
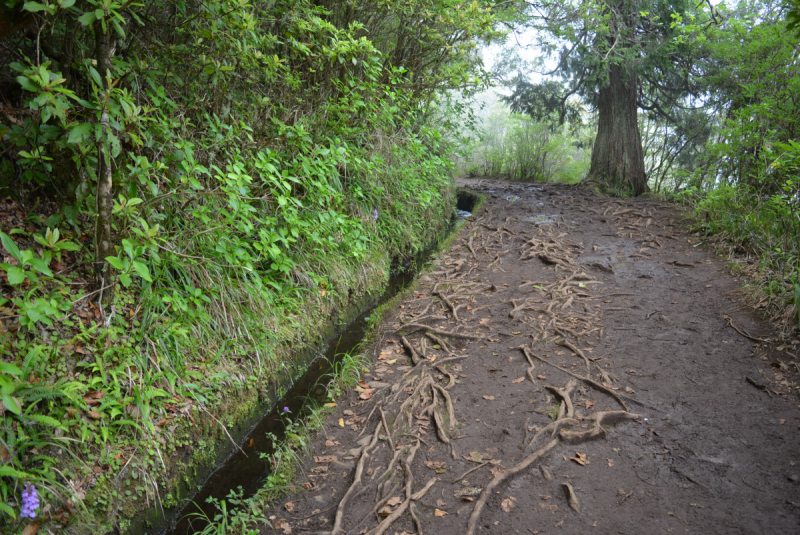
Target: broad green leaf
(9, 368)
(11, 404)
(80, 132)
(15, 275)
(39, 265)
(10, 246)
(126, 280)
(142, 270)
(87, 18)
(8, 510)
(115, 262)
(65, 245)
(34, 7)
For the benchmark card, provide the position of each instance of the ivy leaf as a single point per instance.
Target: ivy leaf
(80, 132)
(142, 270)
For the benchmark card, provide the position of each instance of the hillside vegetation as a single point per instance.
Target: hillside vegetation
(194, 189)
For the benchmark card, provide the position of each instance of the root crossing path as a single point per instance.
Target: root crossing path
(573, 364)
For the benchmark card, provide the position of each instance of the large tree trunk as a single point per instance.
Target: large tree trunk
(617, 156)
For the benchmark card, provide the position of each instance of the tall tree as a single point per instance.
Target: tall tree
(620, 56)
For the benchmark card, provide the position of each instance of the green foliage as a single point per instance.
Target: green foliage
(250, 145)
(518, 147)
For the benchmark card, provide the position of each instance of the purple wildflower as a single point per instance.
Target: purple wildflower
(286, 409)
(376, 214)
(30, 502)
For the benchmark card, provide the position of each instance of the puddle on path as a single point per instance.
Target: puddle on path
(543, 219)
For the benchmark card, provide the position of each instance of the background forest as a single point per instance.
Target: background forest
(192, 189)
(716, 90)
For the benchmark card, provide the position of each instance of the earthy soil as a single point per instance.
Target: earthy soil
(588, 365)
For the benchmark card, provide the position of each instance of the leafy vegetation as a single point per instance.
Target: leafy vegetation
(519, 147)
(197, 187)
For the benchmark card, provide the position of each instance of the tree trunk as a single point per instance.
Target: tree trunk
(617, 156)
(104, 196)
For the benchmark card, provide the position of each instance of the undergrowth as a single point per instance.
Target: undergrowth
(197, 189)
(760, 234)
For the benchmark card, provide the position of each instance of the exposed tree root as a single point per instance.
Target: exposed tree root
(453, 308)
(337, 524)
(406, 344)
(600, 419)
(567, 409)
(480, 503)
(451, 378)
(468, 472)
(417, 327)
(568, 345)
(401, 509)
(591, 382)
(742, 332)
(439, 341)
(572, 497)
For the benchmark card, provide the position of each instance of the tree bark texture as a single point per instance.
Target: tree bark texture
(617, 156)
(104, 195)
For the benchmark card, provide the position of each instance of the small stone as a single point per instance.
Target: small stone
(793, 478)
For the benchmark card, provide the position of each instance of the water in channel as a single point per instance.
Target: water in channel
(248, 471)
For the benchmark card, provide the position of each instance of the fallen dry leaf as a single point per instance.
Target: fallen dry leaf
(518, 381)
(330, 443)
(542, 377)
(324, 459)
(385, 511)
(588, 403)
(488, 398)
(629, 390)
(610, 462)
(4, 453)
(476, 457)
(439, 513)
(438, 466)
(284, 526)
(341, 422)
(580, 458)
(508, 504)
(395, 500)
(289, 506)
(366, 394)
(32, 528)
(94, 415)
(549, 506)
(440, 503)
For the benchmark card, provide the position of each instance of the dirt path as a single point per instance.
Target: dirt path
(576, 372)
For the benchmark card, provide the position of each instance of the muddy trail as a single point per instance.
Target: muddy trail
(573, 364)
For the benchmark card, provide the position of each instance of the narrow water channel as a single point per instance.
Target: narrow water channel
(248, 470)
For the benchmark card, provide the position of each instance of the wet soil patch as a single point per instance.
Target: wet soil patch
(591, 372)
